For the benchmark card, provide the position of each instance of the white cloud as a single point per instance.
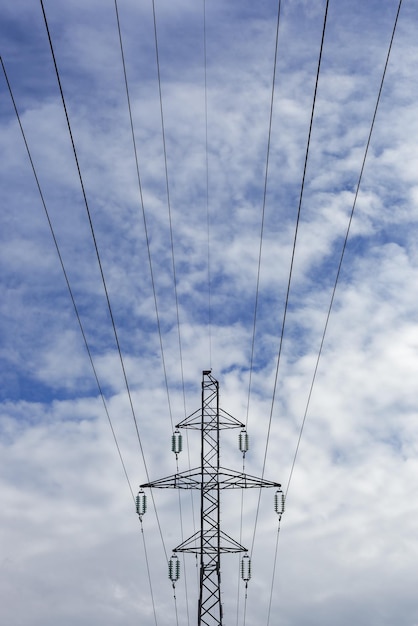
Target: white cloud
(72, 550)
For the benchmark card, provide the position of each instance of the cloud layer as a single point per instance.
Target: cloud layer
(72, 548)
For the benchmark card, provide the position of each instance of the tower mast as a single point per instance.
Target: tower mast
(209, 542)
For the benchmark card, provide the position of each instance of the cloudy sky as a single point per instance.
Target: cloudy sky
(179, 247)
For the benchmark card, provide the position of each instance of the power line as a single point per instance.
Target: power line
(305, 165)
(263, 209)
(149, 575)
(157, 315)
(70, 291)
(273, 84)
(169, 205)
(92, 229)
(292, 260)
(207, 188)
(343, 250)
(100, 266)
(173, 262)
(345, 241)
(274, 573)
(149, 253)
(103, 280)
(293, 256)
(288, 289)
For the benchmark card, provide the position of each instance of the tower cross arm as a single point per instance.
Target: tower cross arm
(190, 479)
(220, 419)
(230, 479)
(210, 540)
(224, 479)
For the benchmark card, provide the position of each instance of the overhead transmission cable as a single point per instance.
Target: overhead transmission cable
(149, 250)
(169, 204)
(292, 259)
(343, 250)
(266, 171)
(291, 266)
(100, 263)
(288, 292)
(91, 227)
(274, 572)
(209, 279)
(70, 291)
(79, 323)
(149, 576)
(273, 83)
(157, 315)
(345, 240)
(173, 261)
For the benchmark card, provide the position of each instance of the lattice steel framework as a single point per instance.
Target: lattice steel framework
(210, 541)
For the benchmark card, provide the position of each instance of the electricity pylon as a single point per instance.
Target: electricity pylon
(210, 541)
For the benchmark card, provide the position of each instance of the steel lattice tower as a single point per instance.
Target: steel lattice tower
(210, 478)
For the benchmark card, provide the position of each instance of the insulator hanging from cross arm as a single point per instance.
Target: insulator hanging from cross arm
(176, 443)
(243, 441)
(174, 569)
(246, 568)
(141, 504)
(279, 502)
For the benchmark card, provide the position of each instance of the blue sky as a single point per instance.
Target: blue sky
(71, 547)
